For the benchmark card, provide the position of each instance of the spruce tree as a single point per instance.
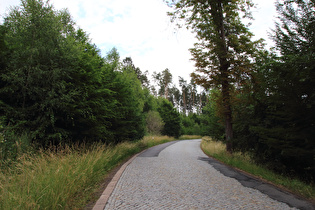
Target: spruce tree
(289, 128)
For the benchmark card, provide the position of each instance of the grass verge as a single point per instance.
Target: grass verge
(65, 178)
(186, 137)
(241, 161)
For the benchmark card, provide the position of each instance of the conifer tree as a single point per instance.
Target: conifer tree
(170, 117)
(54, 84)
(289, 127)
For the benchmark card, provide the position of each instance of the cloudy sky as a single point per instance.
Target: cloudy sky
(140, 29)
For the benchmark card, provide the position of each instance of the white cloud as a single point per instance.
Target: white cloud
(265, 16)
(141, 30)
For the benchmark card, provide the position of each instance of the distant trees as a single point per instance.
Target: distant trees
(186, 99)
(164, 80)
(223, 55)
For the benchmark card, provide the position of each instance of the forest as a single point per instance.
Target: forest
(56, 88)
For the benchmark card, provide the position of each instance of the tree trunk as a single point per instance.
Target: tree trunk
(217, 13)
(166, 91)
(228, 117)
(184, 103)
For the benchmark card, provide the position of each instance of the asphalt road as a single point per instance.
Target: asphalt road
(178, 175)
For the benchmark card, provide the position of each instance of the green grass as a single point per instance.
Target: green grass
(243, 161)
(65, 179)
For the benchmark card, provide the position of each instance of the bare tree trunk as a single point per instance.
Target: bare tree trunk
(227, 116)
(184, 102)
(200, 104)
(166, 90)
(217, 13)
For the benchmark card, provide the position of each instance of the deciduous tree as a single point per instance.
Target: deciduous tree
(223, 54)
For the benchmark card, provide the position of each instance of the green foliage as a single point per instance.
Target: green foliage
(206, 123)
(289, 126)
(211, 123)
(189, 126)
(129, 66)
(150, 102)
(154, 123)
(55, 86)
(31, 84)
(274, 118)
(223, 55)
(129, 122)
(170, 117)
(87, 116)
(3, 48)
(51, 84)
(224, 41)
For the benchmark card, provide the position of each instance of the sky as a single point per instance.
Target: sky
(141, 29)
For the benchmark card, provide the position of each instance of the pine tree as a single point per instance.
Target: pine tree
(164, 80)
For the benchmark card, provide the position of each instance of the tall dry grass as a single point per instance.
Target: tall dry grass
(51, 180)
(64, 178)
(186, 137)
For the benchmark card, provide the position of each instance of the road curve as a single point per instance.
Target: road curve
(179, 175)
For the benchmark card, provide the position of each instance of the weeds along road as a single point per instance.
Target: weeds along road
(178, 175)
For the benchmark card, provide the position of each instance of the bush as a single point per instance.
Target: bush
(154, 123)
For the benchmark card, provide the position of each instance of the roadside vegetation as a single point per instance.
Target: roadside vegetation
(68, 114)
(65, 177)
(245, 162)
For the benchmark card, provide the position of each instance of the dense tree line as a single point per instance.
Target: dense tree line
(268, 96)
(279, 106)
(57, 88)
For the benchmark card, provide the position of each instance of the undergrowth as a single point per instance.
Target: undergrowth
(244, 162)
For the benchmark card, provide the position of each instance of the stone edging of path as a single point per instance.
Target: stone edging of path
(101, 202)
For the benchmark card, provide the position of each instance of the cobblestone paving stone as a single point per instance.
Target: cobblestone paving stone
(176, 179)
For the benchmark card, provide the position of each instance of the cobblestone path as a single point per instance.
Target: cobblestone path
(179, 179)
